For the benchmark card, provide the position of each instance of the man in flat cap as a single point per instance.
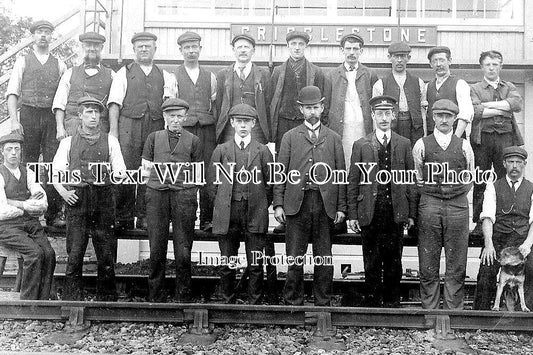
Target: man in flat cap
(348, 90)
(381, 217)
(32, 86)
(507, 216)
(494, 126)
(171, 199)
(409, 92)
(310, 205)
(198, 87)
(90, 78)
(241, 206)
(135, 98)
(243, 83)
(447, 86)
(90, 200)
(22, 201)
(443, 208)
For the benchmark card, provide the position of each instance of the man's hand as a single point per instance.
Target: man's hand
(525, 249)
(410, 223)
(38, 195)
(60, 133)
(279, 214)
(354, 225)
(16, 127)
(70, 197)
(339, 217)
(488, 255)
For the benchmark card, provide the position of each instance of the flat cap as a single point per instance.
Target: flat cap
(88, 100)
(174, 104)
(352, 37)
(439, 49)
(188, 37)
(383, 102)
(514, 151)
(243, 111)
(243, 36)
(12, 137)
(445, 105)
(41, 24)
(91, 37)
(399, 47)
(297, 34)
(310, 95)
(143, 36)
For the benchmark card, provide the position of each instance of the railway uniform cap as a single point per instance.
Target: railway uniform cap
(514, 151)
(243, 111)
(12, 137)
(310, 95)
(41, 24)
(297, 34)
(88, 100)
(243, 36)
(445, 105)
(91, 37)
(143, 36)
(174, 104)
(383, 102)
(354, 37)
(188, 37)
(399, 47)
(439, 49)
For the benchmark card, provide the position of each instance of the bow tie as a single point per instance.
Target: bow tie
(175, 135)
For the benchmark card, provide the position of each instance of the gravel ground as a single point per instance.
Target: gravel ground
(163, 338)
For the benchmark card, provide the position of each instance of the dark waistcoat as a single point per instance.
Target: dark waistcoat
(198, 96)
(243, 92)
(512, 208)
(292, 85)
(446, 91)
(39, 81)
(240, 191)
(144, 93)
(96, 86)
(82, 153)
(411, 87)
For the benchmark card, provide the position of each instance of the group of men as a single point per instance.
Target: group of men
(142, 117)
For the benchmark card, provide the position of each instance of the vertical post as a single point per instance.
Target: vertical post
(398, 14)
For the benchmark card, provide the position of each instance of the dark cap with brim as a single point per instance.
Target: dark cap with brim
(439, 49)
(12, 137)
(189, 36)
(243, 111)
(243, 36)
(91, 37)
(399, 47)
(143, 36)
(41, 24)
(514, 151)
(174, 104)
(352, 37)
(445, 105)
(383, 102)
(88, 100)
(297, 34)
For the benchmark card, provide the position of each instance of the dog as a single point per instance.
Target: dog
(511, 277)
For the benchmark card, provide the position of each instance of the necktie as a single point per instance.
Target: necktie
(241, 75)
(385, 140)
(352, 68)
(513, 183)
(313, 135)
(242, 145)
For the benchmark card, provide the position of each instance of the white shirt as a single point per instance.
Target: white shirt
(246, 140)
(494, 83)
(377, 90)
(9, 212)
(247, 69)
(347, 67)
(194, 74)
(313, 128)
(462, 90)
(380, 134)
(489, 200)
(119, 86)
(15, 80)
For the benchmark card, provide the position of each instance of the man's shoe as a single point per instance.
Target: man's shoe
(123, 225)
(280, 228)
(207, 227)
(57, 222)
(141, 223)
(340, 228)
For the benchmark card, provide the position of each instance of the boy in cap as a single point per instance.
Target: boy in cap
(135, 98)
(33, 84)
(507, 216)
(198, 87)
(443, 209)
(90, 78)
(170, 199)
(90, 202)
(243, 83)
(22, 201)
(409, 92)
(382, 216)
(310, 208)
(241, 207)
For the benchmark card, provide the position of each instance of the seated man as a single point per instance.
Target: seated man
(22, 201)
(507, 218)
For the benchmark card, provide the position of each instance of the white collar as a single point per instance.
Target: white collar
(379, 135)
(443, 139)
(246, 140)
(347, 66)
(494, 83)
(517, 184)
(247, 68)
(314, 127)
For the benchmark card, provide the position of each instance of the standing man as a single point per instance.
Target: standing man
(243, 83)
(22, 201)
(88, 79)
(171, 199)
(310, 205)
(348, 90)
(241, 209)
(494, 126)
(381, 211)
(90, 202)
(409, 92)
(507, 218)
(443, 209)
(447, 86)
(135, 98)
(198, 87)
(32, 85)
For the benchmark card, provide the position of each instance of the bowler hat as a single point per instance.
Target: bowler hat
(243, 111)
(439, 49)
(91, 37)
(12, 137)
(514, 151)
(143, 36)
(445, 105)
(399, 47)
(310, 95)
(188, 37)
(353, 37)
(88, 100)
(174, 104)
(383, 102)
(41, 24)
(243, 36)
(297, 34)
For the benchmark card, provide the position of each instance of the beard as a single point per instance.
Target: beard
(88, 60)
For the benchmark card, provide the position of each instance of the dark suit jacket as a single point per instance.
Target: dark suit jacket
(262, 98)
(260, 195)
(297, 152)
(362, 197)
(335, 92)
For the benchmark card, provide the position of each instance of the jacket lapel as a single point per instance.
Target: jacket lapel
(310, 73)
(393, 143)
(375, 145)
(253, 151)
(257, 80)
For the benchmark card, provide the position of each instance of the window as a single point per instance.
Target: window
(365, 8)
